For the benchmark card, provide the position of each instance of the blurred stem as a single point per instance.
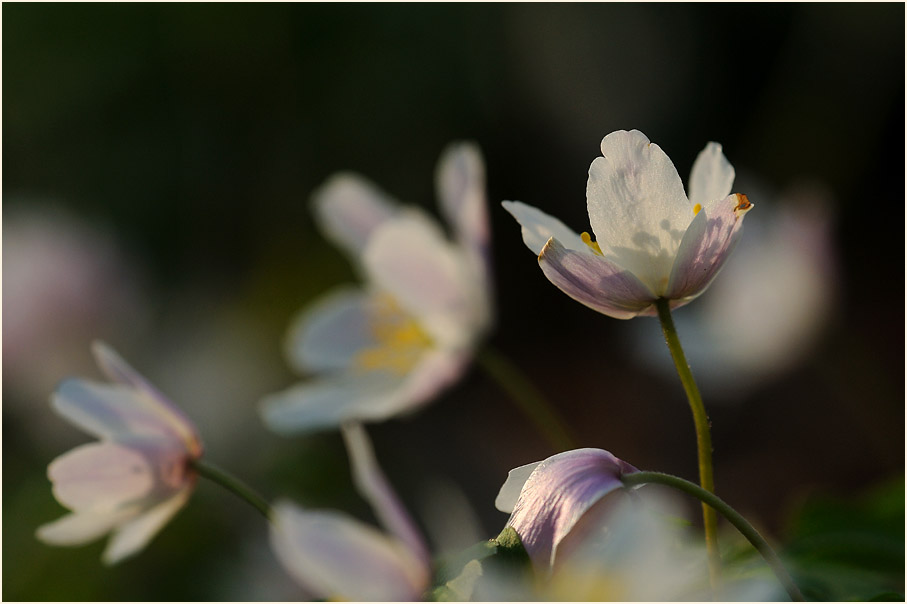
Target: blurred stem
(703, 435)
(234, 485)
(527, 397)
(712, 500)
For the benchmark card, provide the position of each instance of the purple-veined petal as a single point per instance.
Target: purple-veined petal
(101, 477)
(460, 181)
(538, 227)
(328, 334)
(335, 556)
(79, 528)
(594, 281)
(373, 485)
(131, 536)
(349, 208)
(706, 246)
(637, 206)
(712, 176)
(510, 492)
(557, 494)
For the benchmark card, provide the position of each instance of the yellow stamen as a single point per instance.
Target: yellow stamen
(696, 208)
(400, 340)
(587, 239)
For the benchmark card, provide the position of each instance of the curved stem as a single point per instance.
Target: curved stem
(703, 435)
(527, 397)
(734, 517)
(234, 485)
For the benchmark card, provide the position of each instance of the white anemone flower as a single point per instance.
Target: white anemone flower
(136, 477)
(333, 555)
(651, 240)
(393, 344)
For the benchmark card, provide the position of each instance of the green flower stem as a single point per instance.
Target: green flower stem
(232, 484)
(703, 436)
(739, 522)
(527, 397)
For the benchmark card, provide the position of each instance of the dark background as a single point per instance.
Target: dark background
(185, 141)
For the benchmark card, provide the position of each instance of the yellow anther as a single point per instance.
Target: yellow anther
(696, 208)
(587, 239)
(399, 339)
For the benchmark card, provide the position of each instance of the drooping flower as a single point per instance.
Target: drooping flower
(136, 477)
(394, 344)
(547, 499)
(651, 240)
(333, 555)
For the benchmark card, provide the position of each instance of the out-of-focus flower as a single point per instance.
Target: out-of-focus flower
(394, 344)
(652, 241)
(773, 299)
(547, 499)
(137, 477)
(335, 556)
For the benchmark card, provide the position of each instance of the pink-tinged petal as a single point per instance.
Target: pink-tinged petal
(133, 535)
(335, 556)
(538, 227)
(706, 246)
(101, 477)
(594, 281)
(637, 206)
(712, 176)
(556, 495)
(410, 258)
(348, 208)
(80, 527)
(513, 486)
(460, 182)
(119, 371)
(373, 485)
(329, 334)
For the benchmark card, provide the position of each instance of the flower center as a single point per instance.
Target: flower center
(399, 339)
(587, 239)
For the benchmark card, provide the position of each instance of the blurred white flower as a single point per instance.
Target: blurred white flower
(137, 477)
(393, 345)
(333, 555)
(768, 309)
(652, 241)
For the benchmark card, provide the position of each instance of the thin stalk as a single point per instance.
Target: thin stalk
(527, 397)
(732, 516)
(234, 485)
(703, 435)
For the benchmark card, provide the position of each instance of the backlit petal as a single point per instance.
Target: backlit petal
(637, 206)
(510, 491)
(100, 477)
(348, 208)
(461, 195)
(335, 556)
(538, 227)
(712, 176)
(81, 527)
(132, 536)
(594, 281)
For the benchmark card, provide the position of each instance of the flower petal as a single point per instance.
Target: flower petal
(712, 176)
(637, 206)
(538, 227)
(135, 534)
(410, 258)
(81, 527)
(330, 333)
(510, 491)
(594, 281)
(706, 246)
(348, 208)
(460, 182)
(335, 556)
(556, 495)
(373, 485)
(100, 477)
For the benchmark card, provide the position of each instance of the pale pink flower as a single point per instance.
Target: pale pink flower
(136, 477)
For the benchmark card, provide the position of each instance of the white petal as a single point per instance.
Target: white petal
(637, 206)
(373, 485)
(410, 258)
(510, 491)
(100, 477)
(538, 227)
(135, 534)
(330, 333)
(335, 556)
(712, 176)
(348, 208)
(461, 193)
(80, 528)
